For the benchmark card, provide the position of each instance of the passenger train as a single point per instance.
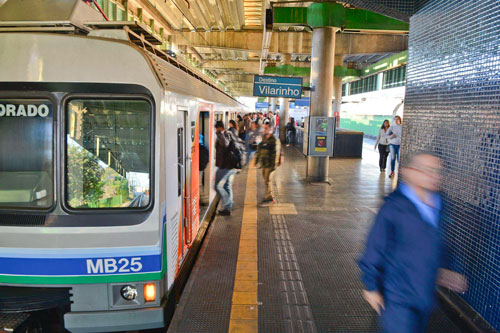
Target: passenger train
(102, 202)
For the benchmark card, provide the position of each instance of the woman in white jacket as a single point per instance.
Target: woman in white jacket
(394, 135)
(383, 145)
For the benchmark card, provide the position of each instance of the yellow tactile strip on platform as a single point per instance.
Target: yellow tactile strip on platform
(244, 311)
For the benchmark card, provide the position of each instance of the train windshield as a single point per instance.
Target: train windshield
(26, 153)
(108, 153)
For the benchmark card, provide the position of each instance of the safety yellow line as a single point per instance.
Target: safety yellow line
(244, 312)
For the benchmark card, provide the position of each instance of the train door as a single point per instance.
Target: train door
(204, 170)
(183, 169)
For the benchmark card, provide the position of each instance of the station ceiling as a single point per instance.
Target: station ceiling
(229, 41)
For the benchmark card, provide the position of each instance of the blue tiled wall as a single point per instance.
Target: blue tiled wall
(390, 7)
(452, 107)
(405, 6)
(399, 9)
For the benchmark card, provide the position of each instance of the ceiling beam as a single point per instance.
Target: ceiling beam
(241, 66)
(223, 48)
(294, 42)
(235, 78)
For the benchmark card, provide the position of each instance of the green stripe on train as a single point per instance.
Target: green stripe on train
(79, 279)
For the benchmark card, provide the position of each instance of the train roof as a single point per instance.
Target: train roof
(87, 49)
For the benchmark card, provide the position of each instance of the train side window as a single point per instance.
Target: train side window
(108, 153)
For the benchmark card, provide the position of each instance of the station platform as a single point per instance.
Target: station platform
(290, 266)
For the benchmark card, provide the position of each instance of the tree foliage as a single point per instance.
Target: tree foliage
(85, 177)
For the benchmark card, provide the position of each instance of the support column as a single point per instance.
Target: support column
(284, 108)
(284, 105)
(322, 65)
(337, 89)
(272, 105)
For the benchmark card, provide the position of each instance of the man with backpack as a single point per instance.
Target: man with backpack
(269, 157)
(229, 156)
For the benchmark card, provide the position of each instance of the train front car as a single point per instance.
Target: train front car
(81, 211)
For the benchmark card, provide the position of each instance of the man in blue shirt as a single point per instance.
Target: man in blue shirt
(404, 249)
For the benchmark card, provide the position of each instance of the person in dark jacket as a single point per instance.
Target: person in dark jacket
(269, 157)
(233, 127)
(290, 131)
(225, 171)
(404, 250)
(241, 127)
(252, 139)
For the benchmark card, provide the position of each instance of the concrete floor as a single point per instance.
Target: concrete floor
(308, 244)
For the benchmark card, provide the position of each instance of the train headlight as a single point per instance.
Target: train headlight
(149, 292)
(129, 292)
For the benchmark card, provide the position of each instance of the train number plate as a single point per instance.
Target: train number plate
(114, 265)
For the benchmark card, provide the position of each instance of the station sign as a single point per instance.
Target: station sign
(302, 102)
(277, 86)
(261, 105)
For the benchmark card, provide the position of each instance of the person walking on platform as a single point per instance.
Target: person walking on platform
(394, 135)
(260, 118)
(253, 138)
(277, 128)
(247, 122)
(233, 127)
(241, 127)
(404, 251)
(272, 119)
(269, 157)
(383, 145)
(290, 131)
(225, 171)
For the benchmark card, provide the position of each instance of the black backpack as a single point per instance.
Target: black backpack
(235, 153)
(203, 157)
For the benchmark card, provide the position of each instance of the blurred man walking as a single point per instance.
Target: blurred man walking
(404, 250)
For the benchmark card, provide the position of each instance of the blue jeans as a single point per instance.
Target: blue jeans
(250, 155)
(399, 318)
(290, 137)
(224, 186)
(394, 151)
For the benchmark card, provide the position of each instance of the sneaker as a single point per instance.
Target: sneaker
(391, 175)
(381, 170)
(266, 202)
(225, 212)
